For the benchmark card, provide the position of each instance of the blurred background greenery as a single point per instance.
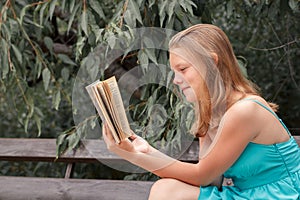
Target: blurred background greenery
(43, 44)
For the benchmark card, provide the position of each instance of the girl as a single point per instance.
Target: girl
(240, 135)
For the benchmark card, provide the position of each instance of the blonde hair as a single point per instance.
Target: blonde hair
(199, 44)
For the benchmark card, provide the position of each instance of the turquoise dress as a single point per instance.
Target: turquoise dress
(262, 172)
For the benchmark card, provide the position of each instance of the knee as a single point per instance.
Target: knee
(162, 189)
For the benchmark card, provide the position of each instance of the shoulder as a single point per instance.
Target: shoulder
(244, 115)
(243, 110)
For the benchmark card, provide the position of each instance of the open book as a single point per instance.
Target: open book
(107, 99)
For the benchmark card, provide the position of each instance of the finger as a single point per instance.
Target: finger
(104, 131)
(132, 137)
(104, 135)
(107, 136)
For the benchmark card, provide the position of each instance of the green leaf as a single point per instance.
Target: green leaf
(56, 100)
(46, 74)
(151, 54)
(7, 31)
(89, 64)
(44, 6)
(60, 139)
(51, 9)
(171, 10)
(169, 78)
(26, 122)
(23, 12)
(162, 12)
(38, 124)
(243, 65)
(148, 42)
(65, 59)
(30, 104)
(74, 12)
(98, 34)
(73, 140)
(3, 60)
(17, 53)
(83, 24)
(143, 59)
(97, 8)
(293, 4)
(190, 6)
(63, 4)
(182, 3)
(93, 123)
(247, 2)
(111, 39)
(230, 8)
(72, 5)
(49, 43)
(61, 143)
(128, 18)
(135, 10)
(151, 3)
(65, 74)
(39, 67)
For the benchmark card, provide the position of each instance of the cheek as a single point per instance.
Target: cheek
(196, 83)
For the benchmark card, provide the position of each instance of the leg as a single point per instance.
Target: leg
(173, 189)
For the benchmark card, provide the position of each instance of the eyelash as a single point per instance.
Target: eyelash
(183, 69)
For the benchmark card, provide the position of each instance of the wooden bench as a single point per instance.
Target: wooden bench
(16, 187)
(44, 150)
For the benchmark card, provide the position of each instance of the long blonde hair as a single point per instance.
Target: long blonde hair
(199, 44)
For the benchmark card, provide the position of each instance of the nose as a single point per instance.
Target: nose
(177, 79)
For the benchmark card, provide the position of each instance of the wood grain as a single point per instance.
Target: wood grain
(21, 149)
(20, 188)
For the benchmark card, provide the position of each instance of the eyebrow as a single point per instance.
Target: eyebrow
(179, 64)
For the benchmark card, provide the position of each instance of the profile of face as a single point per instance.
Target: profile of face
(187, 77)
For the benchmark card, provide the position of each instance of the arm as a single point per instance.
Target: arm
(236, 131)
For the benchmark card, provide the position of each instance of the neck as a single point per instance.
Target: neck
(234, 97)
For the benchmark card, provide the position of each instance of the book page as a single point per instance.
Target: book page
(97, 103)
(101, 108)
(107, 100)
(118, 107)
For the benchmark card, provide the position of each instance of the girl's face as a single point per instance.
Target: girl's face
(186, 77)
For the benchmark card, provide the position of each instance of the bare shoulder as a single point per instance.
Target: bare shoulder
(252, 117)
(246, 115)
(245, 109)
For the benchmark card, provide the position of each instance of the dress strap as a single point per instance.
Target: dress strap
(271, 111)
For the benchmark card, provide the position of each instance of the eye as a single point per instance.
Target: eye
(182, 69)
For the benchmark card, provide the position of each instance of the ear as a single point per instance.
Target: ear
(215, 57)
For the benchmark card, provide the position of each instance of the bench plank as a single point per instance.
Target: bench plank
(24, 149)
(19, 188)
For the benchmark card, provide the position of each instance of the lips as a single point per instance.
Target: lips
(184, 88)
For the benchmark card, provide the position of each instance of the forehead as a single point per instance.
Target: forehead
(177, 60)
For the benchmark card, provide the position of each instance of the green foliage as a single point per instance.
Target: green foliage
(266, 33)
(44, 44)
(36, 169)
(119, 31)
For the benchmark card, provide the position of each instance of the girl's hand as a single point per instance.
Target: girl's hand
(137, 151)
(134, 144)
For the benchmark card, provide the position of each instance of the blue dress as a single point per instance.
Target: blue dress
(262, 172)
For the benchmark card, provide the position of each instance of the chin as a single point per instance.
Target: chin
(190, 96)
(191, 99)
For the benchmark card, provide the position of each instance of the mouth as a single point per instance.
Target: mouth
(184, 88)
